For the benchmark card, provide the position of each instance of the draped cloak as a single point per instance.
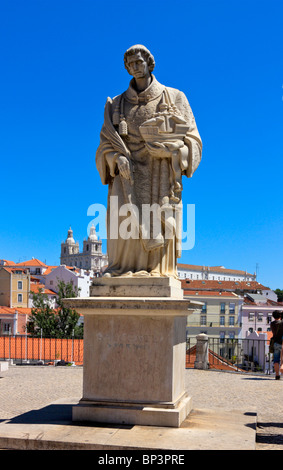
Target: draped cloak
(129, 256)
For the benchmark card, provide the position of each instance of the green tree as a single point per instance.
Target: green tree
(67, 317)
(59, 323)
(279, 293)
(42, 319)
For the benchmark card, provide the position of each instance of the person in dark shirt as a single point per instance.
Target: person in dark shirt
(277, 330)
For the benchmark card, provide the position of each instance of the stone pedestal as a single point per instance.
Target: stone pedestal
(134, 352)
(136, 287)
(201, 361)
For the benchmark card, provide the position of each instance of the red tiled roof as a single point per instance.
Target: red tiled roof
(49, 270)
(12, 310)
(198, 284)
(8, 263)
(34, 287)
(13, 270)
(23, 310)
(32, 262)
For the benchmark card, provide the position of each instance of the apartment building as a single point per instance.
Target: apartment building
(14, 286)
(220, 316)
(257, 313)
(13, 320)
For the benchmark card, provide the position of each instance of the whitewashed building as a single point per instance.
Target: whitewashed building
(80, 278)
(213, 273)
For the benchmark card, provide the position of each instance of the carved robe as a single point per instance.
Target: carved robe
(150, 179)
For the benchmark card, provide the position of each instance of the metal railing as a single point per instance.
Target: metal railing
(23, 349)
(215, 324)
(224, 354)
(245, 355)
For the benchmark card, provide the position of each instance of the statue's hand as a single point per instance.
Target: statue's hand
(165, 149)
(175, 145)
(158, 150)
(124, 167)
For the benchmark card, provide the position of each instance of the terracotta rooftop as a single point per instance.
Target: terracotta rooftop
(12, 310)
(7, 262)
(188, 284)
(34, 287)
(32, 262)
(51, 268)
(14, 269)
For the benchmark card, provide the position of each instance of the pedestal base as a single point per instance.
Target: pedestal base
(133, 414)
(134, 352)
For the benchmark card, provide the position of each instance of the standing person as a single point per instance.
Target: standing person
(277, 330)
(281, 359)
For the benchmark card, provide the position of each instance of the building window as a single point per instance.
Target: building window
(20, 285)
(222, 320)
(231, 321)
(203, 309)
(203, 320)
(7, 327)
(259, 316)
(232, 308)
(222, 336)
(222, 307)
(251, 316)
(87, 248)
(20, 297)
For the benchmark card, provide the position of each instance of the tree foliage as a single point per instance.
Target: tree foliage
(279, 293)
(61, 322)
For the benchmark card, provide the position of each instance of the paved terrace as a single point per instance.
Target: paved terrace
(27, 388)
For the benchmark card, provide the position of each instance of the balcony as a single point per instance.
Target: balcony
(214, 324)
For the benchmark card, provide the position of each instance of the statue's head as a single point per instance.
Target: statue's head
(144, 52)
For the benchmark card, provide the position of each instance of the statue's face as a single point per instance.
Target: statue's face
(137, 66)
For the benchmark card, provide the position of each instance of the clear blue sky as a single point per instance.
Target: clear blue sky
(60, 59)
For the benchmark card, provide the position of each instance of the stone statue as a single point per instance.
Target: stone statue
(149, 139)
